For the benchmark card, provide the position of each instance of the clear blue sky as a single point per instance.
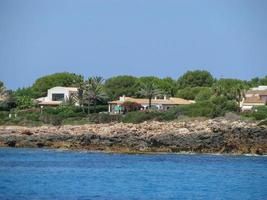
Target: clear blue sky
(137, 37)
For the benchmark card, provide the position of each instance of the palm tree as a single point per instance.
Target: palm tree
(4, 94)
(94, 91)
(80, 94)
(2, 88)
(149, 90)
(239, 93)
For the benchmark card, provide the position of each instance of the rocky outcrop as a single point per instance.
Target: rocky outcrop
(201, 136)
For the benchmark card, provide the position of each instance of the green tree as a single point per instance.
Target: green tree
(121, 85)
(94, 91)
(190, 93)
(149, 90)
(195, 78)
(204, 94)
(232, 89)
(64, 79)
(2, 88)
(26, 91)
(168, 86)
(254, 82)
(80, 95)
(24, 102)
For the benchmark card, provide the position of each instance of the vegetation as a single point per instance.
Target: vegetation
(2, 88)
(65, 79)
(232, 89)
(149, 90)
(131, 106)
(260, 113)
(213, 98)
(196, 78)
(121, 85)
(94, 91)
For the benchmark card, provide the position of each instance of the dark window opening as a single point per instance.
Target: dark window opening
(57, 97)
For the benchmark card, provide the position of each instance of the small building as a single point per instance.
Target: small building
(57, 95)
(254, 97)
(158, 104)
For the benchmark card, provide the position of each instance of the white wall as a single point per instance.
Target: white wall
(58, 90)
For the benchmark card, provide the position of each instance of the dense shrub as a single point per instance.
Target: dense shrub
(215, 107)
(190, 93)
(131, 106)
(204, 94)
(258, 113)
(4, 106)
(24, 102)
(103, 118)
(22, 118)
(65, 111)
(51, 119)
(195, 78)
(8, 104)
(138, 116)
(99, 108)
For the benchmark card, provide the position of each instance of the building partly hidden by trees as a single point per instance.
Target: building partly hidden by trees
(213, 97)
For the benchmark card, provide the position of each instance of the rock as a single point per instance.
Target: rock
(26, 132)
(203, 136)
(11, 143)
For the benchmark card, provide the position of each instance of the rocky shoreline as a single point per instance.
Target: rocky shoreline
(196, 136)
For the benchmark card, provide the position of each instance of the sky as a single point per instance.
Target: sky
(135, 37)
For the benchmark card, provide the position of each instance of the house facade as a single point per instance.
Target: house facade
(57, 95)
(254, 97)
(158, 104)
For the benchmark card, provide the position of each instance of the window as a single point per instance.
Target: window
(57, 97)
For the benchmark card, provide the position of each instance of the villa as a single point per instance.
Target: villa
(159, 104)
(254, 97)
(57, 95)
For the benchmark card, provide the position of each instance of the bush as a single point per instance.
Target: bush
(215, 107)
(204, 94)
(138, 116)
(65, 111)
(22, 118)
(103, 118)
(99, 108)
(4, 106)
(131, 106)
(8, 104)
(191, 93)
(51, 119)
(24, 102)
(258, 113)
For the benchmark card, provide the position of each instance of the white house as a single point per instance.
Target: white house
(56, 95)
(254, 97)
(159, 104)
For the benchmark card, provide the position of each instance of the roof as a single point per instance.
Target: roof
(72, 89)
(50, 103)
(170, 101)
(260, 87)
(254, 99)
(260, 90)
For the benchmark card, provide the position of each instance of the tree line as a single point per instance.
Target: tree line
(195, 85)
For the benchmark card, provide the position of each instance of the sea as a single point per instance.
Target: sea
(61, 174)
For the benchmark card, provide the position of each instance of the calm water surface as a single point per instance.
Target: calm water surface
(50, 174)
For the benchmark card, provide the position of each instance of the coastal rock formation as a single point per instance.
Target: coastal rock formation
(200, 136)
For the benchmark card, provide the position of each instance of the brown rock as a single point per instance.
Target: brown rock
(26, 132)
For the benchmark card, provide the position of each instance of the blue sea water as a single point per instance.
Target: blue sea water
(51, 174)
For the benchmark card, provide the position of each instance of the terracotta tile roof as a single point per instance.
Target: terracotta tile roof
(254, 99)
(259, 92)
(72, 89)
(170, 101)
(51, 103)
